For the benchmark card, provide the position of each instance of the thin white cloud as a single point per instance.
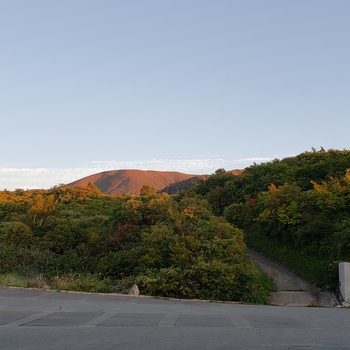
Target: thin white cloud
(182, 165)
(31, 178)
(253, 160)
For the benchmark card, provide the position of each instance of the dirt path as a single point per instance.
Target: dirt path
(292, 290)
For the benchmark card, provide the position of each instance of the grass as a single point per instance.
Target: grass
(14, 280)
(81, 283)
(74, 282)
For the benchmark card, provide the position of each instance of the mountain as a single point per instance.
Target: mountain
(118, 182)
(178, 187)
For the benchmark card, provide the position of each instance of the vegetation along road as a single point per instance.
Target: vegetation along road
(191, 245)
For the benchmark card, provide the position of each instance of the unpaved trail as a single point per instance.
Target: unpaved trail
(292, 290)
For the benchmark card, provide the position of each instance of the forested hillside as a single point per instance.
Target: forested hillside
(296, 210)
(78, 238)
(191, 245)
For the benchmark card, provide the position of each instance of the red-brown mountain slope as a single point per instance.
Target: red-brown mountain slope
(118, 182)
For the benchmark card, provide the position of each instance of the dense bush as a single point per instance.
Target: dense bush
(31, 261)
(178, 248)
(301, 202)
(80, 239)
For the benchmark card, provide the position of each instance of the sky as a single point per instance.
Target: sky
(187, 85)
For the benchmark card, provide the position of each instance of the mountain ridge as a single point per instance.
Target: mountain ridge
(130, 181)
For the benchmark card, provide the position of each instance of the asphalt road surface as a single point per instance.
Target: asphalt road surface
(292, 290)
(36, 319)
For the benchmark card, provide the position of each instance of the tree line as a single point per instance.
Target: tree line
(169, 246)
(191, 245)
(300, 203)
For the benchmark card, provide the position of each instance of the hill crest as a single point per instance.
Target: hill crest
(130, 181)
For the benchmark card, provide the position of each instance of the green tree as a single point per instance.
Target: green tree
(42, 206)
(147, 190)
(17, 233)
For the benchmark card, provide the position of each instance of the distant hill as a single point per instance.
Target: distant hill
(118, 182)
(187, 184)
(178, 187)
(236, 171)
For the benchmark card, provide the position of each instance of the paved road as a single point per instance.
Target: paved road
(292, 290)
(283, 278)
(35, 319)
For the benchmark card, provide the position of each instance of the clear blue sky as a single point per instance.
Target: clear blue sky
(187, 85)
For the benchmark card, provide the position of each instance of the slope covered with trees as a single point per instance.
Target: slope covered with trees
(169, 246)
(190, 245)
(295, 209)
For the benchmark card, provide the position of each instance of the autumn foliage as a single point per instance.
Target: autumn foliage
(169, 246)
(299, 204)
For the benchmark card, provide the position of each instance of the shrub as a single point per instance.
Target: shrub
(14, 280)
(81, 283)
(30, 261)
